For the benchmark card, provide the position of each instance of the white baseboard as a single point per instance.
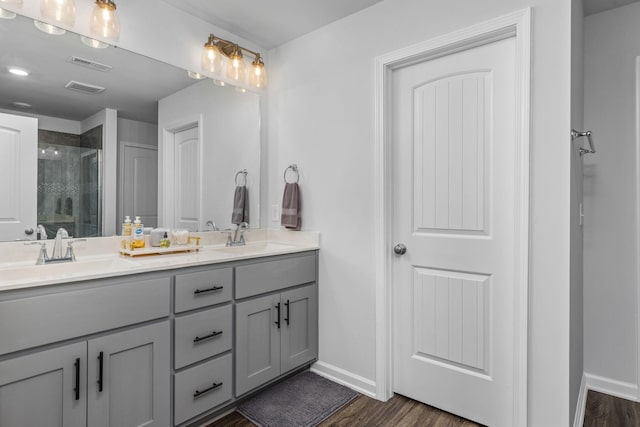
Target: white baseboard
(346, 378)
(612, 387)
(578, 421)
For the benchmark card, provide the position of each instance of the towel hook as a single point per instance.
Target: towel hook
(294, 168)
(575, 134)
(244, 174)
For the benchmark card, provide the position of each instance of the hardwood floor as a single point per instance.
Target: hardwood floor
(601, 410)
(364, 411)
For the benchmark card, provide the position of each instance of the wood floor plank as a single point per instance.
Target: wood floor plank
(603, 410)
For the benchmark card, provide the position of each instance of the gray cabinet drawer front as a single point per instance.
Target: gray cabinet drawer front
(200, 327)
(54, 317)
(203, 288)
(198, 379)
(268, 276)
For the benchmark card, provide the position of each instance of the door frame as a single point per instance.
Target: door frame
(518, 25)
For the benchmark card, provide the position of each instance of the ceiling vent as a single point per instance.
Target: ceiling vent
(89, 63)
(84, 87)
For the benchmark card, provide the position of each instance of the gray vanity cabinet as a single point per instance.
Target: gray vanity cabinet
(129, 378)
(45, 388)
(277, 332)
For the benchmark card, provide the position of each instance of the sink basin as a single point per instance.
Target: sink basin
(260, 248)
(65, 269)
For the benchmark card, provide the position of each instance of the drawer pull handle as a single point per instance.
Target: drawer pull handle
(76, 389)
(211, 335)
(206, 390)
(277, 322)
(202, 291)
(100, 365)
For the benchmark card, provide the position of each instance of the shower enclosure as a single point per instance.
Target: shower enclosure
(70, 182)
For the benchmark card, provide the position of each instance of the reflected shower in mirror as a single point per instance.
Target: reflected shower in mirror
(72, 87)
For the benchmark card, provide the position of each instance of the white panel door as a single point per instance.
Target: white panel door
(19, 166)
(187, 179)
(454, 204)
(140, 183)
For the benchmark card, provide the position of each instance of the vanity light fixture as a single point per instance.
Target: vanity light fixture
(104, 20)
(5, 14)
(96, 44)
(18, 71)
(215, 49)
(48, 28)
(59, 11)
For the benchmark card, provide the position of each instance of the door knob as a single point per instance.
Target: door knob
(28, 231)
(400, 249)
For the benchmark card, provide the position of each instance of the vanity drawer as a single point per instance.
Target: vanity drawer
(196, 390)
(203, 288)
(268, 276)
(202, 335)
(49, 318)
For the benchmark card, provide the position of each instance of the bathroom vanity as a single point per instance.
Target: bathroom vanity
(164, 341)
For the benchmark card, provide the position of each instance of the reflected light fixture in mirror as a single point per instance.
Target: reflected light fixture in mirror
(96, 44)
(212, 56)
(48, 28)
(104, 20)
(59, 11)
(5, 14)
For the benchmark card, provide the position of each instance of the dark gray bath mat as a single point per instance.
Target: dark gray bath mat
(304, 400)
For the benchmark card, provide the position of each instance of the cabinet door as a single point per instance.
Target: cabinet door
(45, 388)
(299, 333)
(129, 378)
(257, 343)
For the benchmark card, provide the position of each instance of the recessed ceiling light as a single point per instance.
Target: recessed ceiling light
(21, 105)
(18, 71)
(48, 28)
(5, 14)
(195, 75)
(96, 44)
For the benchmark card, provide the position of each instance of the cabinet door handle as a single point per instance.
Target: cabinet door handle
(100, 365)
(202, 291)
(286, 319)
(211, 335)
(206, 390)
(76, 389)
(277, 322)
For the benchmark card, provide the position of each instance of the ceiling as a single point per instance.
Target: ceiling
(273, 22)
(596, 6)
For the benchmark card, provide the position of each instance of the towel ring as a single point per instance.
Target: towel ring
(294, 168)
(244, 174)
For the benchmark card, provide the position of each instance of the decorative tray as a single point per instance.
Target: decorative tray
(159, 251)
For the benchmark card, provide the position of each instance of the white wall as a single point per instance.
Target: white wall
(321, 116)
(50, 123)
(576, 354)
(231, 142)
(611, 329)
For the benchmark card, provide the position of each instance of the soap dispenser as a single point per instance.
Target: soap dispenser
(138, 234)
(126, 226)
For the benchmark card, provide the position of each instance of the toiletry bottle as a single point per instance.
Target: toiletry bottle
(126, 226)
(165, 242)
(138, 234)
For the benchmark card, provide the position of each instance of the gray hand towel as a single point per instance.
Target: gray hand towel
(291, 207)
(240, 205)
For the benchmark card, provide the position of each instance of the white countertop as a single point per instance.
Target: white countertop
(98, 258)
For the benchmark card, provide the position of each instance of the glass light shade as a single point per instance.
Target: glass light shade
(211, 58)
(236, 67)
(96, 44)
(5, 14)
(258, 75)
(104, 20)
(59, 11)
(48, 28)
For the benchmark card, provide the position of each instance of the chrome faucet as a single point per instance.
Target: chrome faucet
(213, 225)
(241, 228)
(41, 232)
(56, 254)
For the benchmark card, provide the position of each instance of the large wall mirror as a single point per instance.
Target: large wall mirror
(118, 134)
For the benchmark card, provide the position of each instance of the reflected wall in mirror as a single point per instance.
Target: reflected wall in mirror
(72, 88)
